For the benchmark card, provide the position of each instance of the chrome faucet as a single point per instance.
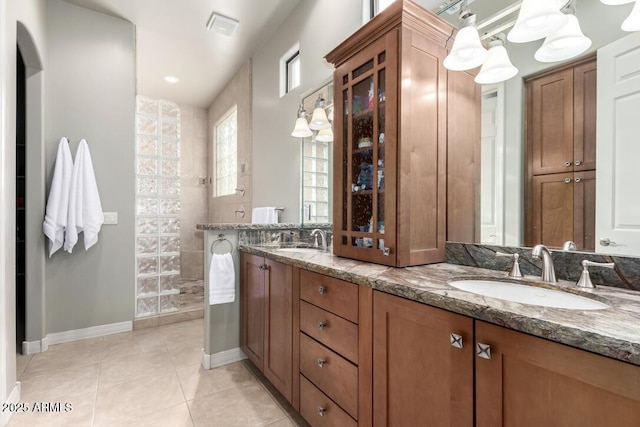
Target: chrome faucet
(323, 237)
(569, 246)
(548, 273)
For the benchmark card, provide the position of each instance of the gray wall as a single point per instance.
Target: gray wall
(319, 26)
(90, 93)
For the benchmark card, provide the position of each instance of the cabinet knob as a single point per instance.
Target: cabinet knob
(321, 363)
(578, 180)
(261, 267)
(567, 180)
(321, 411)
(483, 350)
(386, 251)
(577, 163)
(456, 340)
(321, 290)
(322, 325)
(567, 164)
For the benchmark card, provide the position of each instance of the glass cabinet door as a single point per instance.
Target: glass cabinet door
(363, 151)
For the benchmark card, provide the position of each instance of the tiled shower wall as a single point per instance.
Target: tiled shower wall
(193, 191)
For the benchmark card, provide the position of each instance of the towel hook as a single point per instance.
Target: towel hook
(221, 238)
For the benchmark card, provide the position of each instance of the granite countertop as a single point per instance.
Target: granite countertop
(249, 226)
(612, 332)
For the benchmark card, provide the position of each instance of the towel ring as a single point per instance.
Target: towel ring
(222, 238)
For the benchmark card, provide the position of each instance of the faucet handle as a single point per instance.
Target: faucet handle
(585, 280)
(515, 269)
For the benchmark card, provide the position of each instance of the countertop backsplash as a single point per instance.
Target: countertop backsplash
(625, 275)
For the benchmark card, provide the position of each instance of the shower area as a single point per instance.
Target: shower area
(171, 198)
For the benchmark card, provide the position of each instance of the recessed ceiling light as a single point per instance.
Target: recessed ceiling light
(221, 24)
(171, 79)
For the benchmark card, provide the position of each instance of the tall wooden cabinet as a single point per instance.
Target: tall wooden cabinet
(390, 138)
(561, 146)
(266, 307)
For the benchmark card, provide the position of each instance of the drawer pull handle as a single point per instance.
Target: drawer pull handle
(321, 411)
(321, 290)
(483, 350)
(322, 325)
(321, 363)
(456, 340)
(567, 164)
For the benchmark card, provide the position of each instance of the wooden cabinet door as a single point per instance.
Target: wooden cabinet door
(584, 116)
(419, 378)
(551, 210)
(252, 308)
(550, 123)
(531, 382)
(584, 210)
(278, 326)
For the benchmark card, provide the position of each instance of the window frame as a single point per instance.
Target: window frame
(290, 54)
(287, 67)
(220, 121)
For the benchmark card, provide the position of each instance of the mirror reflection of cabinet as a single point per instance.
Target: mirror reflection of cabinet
(561, 144)
(390, 154)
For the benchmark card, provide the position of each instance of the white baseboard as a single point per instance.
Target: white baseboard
(13, 398)
(210, 361)
(34, 347)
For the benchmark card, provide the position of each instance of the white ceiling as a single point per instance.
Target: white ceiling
(172, 39)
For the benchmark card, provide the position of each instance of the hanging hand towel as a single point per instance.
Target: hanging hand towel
(222, 279)
(85, 209)
(55, 220)
(266, 215)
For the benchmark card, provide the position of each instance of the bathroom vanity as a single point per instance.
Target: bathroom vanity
(374, 345)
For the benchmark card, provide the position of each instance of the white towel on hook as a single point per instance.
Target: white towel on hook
(222, 279)
(85, 209)
(55, 220)
(265, 215)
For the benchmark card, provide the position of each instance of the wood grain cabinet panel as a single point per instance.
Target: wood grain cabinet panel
(561, 144)
(419, 378)
(319, 410)
(529, 381)
(266, 313)
(390, 136)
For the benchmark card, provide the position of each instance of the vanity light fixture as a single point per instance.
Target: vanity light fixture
(301, 129)
(566, 43)
(632, 23)
(325, 135)
(467, 51)
(537, 19)
(319, 118)
(498, 67)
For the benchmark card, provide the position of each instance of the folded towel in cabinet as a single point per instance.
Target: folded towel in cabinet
(55, 220)
(85, 209)
(222, 279)
(265, 215)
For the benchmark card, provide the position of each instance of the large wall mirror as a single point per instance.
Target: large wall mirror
(317, 158)
(504, 210)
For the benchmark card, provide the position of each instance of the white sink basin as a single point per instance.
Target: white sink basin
(300, 250)
(528, 294)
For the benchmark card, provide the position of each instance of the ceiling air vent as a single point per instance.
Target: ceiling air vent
(221, 24)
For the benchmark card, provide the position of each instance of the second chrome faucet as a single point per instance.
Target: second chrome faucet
(548, 272)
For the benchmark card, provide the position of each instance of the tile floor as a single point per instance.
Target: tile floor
(148, 377)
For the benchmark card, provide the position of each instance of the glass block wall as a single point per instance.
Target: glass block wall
(315, 191)
(157, 206)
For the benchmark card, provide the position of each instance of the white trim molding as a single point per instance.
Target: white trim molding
(14, 398)
(34, 347)
(210, 361)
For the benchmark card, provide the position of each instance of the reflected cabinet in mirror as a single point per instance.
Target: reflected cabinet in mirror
(559, 150)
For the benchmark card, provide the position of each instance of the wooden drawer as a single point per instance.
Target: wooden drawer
(336, 296)
(313, 402)
(333, 331)
(331, 373)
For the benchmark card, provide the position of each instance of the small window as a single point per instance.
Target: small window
(226, 153)
(293, 71)
(290, 74)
